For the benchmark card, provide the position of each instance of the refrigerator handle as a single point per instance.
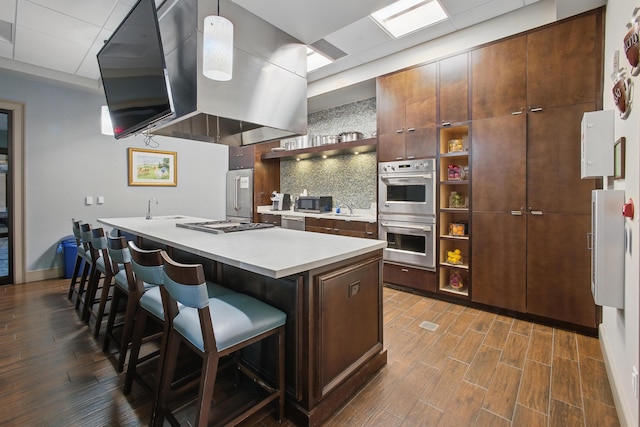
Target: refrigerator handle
(235, 193)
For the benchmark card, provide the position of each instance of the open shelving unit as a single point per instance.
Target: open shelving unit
(453, 212)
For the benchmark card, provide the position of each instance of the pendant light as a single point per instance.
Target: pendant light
(217, 58)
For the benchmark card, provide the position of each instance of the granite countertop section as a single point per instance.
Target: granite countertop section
(273, 252)
(362, 215)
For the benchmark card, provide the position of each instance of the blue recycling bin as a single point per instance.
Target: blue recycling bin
(69, 250)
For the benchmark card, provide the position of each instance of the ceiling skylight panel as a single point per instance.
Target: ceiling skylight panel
(316, 60)
(406, 16)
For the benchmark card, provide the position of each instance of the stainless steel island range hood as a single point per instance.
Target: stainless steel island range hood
(265, 100)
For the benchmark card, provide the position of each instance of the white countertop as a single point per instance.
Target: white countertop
(273, 252)
(362, 215)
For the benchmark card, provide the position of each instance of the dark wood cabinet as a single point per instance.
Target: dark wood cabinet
(409, 277)
(499, 77)
(406, 112)
(453, 99)
(367, 230)
(241, 157)
(531, 210)
(564, 65)
(271, 219)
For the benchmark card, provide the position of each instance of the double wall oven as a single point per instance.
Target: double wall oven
(406, 211)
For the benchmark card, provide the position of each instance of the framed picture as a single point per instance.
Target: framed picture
(153, 167)
(618, 158)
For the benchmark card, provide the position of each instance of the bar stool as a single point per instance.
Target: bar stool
(213, 328)
(100, 281)
(125, 286)
(87, 272)
(149, 275)
(82, 256)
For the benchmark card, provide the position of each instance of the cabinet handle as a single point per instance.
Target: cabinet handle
(590, 241)
(535, 110)
(404, 270)
(411, 129)
(239, 155)
(515, 113)
(516, 213)
(398, 158)
(411, 157)
(445, 124)
(534, 212)
(399, 130)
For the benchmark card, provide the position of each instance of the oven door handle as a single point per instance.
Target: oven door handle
(412, 227)
(405, 177)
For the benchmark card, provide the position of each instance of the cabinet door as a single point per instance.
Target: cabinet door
(499, 260)
(390, 102)
(563, 63)
(499, 77)
(454, 89)
(420, 93)
(499, 164)
(391, 147)
(421, 143)
(241, 157)
(553, 169)
(558, 269)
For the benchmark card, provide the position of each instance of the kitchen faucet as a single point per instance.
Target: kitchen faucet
(149, 216)
(350, 207)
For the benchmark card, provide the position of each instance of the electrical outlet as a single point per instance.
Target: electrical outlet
(100, 200)
(634, 381)
(88, 200)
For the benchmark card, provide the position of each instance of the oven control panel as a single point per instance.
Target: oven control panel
(406, 166)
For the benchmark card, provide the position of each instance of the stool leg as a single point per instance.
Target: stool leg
(86, 274)
(136, 343)
(168, 360)
(111, 320)
(74, 276)
(104, 297)
(281, 385)
(207, 382)
(127, 328)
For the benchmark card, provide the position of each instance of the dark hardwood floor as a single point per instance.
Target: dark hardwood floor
(475, 369)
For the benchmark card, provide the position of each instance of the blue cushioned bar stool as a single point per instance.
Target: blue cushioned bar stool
(85, 237)
(214, 328)
(82, 256)
(124, 287)
(149, 277)
(99, 290)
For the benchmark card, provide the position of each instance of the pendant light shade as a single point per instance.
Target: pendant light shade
(217, 58)
(105, 121)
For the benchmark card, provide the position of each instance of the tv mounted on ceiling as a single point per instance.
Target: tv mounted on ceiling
(134, 74)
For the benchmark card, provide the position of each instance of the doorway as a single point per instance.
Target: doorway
(6, 252)
(11, 193)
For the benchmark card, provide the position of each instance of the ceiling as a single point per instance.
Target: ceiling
(59, 39)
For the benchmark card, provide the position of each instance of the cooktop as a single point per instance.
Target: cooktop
(223, 226)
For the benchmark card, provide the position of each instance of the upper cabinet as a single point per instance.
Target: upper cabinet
(499, 89)
(406, 112)
(569, 73)
(454, 89)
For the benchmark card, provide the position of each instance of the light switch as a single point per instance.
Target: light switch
(100, 200)
(88, 200)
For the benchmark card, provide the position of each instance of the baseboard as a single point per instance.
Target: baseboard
(624, 412)
(47, 274)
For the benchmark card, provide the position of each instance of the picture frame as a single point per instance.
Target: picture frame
(619, 149)
(153, 167)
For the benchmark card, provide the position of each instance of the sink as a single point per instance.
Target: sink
(346, 215)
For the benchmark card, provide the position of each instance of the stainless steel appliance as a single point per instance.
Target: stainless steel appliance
(240, 195)
(292, 222)
(281, 201)
(314, 204)
(407, 187)
(223, 226)
(411, 241)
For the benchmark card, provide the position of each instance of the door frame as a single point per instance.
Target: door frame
(17, 213)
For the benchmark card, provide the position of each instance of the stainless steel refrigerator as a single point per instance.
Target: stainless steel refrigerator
(240, 195)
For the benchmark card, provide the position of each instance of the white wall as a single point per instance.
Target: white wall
(619, 332)
(66, 159)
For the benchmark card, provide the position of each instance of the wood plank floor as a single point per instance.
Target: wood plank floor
(475, 369)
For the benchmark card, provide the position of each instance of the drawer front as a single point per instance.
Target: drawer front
(410, 277)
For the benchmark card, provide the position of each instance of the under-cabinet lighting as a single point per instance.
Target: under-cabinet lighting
(406, 16)
(324, 156)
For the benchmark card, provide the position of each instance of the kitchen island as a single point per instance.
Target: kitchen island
(330, 287)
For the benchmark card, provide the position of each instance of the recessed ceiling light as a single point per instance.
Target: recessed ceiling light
(406, 16)
(316, 60)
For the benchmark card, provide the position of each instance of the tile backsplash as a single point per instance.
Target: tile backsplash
(347, 178)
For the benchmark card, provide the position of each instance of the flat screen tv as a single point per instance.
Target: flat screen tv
(134, 74)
